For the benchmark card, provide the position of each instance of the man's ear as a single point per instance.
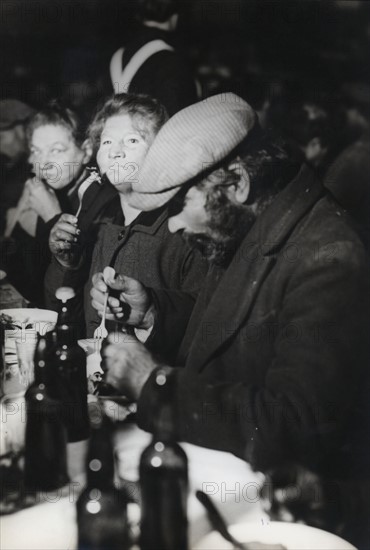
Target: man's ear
(87, 149)
(242, 187)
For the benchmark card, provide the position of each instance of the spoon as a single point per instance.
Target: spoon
(217, 521)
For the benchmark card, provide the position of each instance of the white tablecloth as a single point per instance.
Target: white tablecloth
(51, 525)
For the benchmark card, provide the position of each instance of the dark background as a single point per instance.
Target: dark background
(62, 48)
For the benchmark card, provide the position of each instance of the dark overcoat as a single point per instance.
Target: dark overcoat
(276, 350)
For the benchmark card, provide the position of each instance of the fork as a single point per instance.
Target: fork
(101, 332)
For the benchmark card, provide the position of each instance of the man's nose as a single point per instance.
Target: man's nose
(41, 159)
(39, 163)
(176, 223)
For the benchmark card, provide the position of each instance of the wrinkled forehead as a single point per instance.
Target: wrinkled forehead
(48, 133)
(125, 122)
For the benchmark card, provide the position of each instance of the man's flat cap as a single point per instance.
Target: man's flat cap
(192, 141)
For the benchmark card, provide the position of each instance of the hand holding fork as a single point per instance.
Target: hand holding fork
(101, 332)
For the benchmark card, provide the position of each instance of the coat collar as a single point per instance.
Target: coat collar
(150, 222)
(251, 264)
(146, 222)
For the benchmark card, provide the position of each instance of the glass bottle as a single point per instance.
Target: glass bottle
(69, 382)
(46, 437)
(164, 480)
(101, 507)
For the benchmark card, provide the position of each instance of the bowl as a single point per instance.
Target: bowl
(37, 320)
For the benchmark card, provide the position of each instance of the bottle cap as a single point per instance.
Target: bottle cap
(65, 293)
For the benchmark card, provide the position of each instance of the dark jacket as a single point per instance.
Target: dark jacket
(165, 75)
(144, 250)
(30, 257)
(276, 348)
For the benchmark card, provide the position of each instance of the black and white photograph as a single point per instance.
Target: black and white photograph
(185, 275)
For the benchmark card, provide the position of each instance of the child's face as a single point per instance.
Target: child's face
(55, 156)
(122, 152)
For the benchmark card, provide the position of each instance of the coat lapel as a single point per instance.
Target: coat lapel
(239, 286)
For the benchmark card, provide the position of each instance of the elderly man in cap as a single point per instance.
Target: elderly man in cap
(274, 357)
(14, 115)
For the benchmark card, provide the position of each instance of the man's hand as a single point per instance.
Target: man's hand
(129, 364)
(62, 237)
(133, 305)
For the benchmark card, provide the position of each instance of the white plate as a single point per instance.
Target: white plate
(291, 535)
(2, 274)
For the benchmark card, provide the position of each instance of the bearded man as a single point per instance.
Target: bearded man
(275, 354)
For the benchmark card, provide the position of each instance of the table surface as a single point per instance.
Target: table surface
(51, 524)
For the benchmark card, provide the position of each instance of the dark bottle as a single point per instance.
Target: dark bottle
(69, 363)
(101, 507)
(46, 437)
(164, 481)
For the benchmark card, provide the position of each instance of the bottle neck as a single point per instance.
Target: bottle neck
(65, 336)
(65, 328)
(100, 457)
(164, 429)
(164, 426)
(40, 361)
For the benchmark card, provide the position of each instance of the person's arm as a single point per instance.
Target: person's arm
(164, 313)
(43, 200)
(173, 310)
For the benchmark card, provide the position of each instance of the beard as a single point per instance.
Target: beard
(229, 223)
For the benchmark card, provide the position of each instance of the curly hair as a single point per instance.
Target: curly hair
(270, 167)
(147, 115)
(268, 164)
(57, 113)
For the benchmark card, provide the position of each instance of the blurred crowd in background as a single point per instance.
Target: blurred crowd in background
(263, 50)
(302, 65)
